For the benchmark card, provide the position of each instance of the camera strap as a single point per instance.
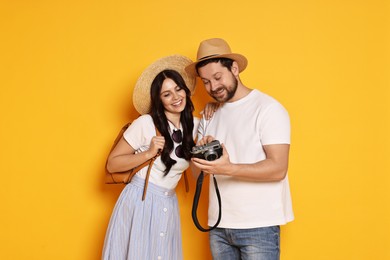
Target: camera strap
(198, 190)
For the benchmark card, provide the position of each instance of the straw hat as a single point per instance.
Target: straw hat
(141, 94)
(216, 48)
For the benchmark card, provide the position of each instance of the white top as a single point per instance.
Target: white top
(139, 134)
(244, 127)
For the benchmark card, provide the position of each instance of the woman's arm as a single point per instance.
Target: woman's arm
(123, 157)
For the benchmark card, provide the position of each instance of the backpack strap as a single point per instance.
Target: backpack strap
(149, 168)
(148, 174)
(186, 181)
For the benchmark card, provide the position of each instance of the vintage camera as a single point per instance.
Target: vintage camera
(209, 152)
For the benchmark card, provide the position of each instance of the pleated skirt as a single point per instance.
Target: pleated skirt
(143, 230)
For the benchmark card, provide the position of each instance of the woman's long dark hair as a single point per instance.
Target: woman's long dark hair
(161, 122)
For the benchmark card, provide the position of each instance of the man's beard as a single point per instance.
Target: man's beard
(230, 93)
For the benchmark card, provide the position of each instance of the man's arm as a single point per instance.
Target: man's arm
(273, 168)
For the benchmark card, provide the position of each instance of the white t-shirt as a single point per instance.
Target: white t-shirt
(244, 127)
(139, 134)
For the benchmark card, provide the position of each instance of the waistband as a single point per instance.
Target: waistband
(152, 188)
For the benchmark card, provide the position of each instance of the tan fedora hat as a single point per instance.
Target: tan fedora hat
(216, 48)
(141, 93)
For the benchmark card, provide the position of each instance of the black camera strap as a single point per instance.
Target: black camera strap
(199, 183)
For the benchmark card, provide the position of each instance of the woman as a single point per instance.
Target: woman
(150, 229)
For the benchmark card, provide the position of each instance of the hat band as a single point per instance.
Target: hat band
(206, 57)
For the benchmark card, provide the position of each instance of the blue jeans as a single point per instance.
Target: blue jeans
(246, 244)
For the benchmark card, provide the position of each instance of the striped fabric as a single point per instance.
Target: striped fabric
(143, 230)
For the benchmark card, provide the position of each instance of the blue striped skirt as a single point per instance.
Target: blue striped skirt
(143, 230)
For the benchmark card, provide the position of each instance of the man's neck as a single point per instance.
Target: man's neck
(241, 92)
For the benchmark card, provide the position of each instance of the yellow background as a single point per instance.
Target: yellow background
(67, 69)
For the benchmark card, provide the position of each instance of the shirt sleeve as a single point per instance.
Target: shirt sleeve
(139, 134)
(275, 125)
(196, 126)
(201, 128)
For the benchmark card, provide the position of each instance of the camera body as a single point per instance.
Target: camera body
(209, 152)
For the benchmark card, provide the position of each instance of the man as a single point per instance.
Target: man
(254, 130)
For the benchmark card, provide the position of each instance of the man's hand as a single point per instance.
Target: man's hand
(205, 140)
(221, 166)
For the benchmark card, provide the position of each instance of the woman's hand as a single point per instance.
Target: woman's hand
(210, 109)
(156, 145)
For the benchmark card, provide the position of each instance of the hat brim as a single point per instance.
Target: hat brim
(240, 59)
(141, 93)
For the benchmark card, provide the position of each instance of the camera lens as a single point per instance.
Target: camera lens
(211, 155)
